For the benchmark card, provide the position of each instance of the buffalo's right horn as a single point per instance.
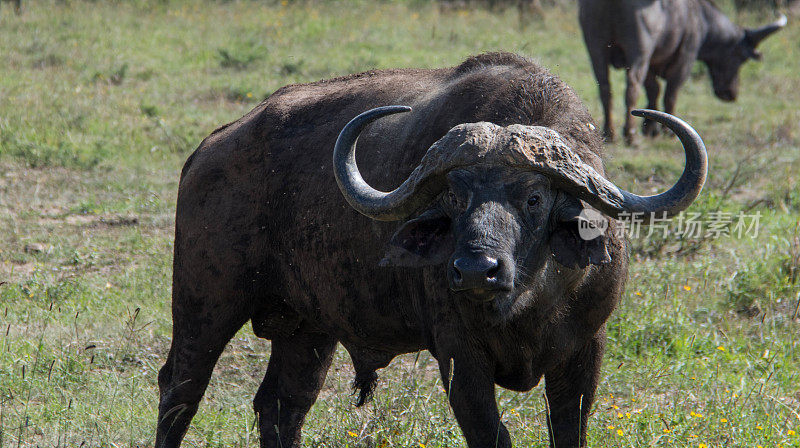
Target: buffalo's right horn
(400, 203)
(758, 34)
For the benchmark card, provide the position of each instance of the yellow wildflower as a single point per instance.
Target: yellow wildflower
(687, 287)
(702, 445)
(723, 420)
(352, 434)
(721, 348)
(619, 432)
(790, 432)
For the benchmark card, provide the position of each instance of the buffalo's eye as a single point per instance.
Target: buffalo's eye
(452, 199)
(534, 200)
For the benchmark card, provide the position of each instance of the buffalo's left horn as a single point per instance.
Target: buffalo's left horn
(758, 34)
(691, 182)
(400, 203)
(551, 156)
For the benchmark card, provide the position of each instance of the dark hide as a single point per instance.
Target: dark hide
(654, 39)
(262, 233)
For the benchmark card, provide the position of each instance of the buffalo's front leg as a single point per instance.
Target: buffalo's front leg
(674, 84)
(675, 79)
(471, 393)
(297, 369)
(570, 391)
(650, 128)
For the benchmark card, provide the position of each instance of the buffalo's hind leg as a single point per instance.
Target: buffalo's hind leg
(599, 54)
(295, 374)
(198, 340)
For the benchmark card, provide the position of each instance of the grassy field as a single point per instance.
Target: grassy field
(101, 102)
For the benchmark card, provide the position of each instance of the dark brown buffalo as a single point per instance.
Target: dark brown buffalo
(662, 39)
(490, 275)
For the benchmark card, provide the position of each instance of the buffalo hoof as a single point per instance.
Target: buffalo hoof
(608, 136)
(631, 139)
(652, 128)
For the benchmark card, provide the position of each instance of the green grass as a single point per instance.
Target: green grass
(101, 102)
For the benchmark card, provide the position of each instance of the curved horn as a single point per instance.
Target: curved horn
(545, 152)
(683, 193)
(391, 206)
(758, 34)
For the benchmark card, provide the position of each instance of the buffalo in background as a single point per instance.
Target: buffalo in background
(663, 38)
(496, 164)
(17, 5)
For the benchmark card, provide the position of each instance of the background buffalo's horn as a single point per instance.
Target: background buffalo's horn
(688, 187)
(758, 34)
(395, 205)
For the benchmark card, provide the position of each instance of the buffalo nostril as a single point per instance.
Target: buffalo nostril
(475, 272)
(457, 277)
(491, 274)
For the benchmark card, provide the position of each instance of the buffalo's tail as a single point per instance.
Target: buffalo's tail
(364, 384)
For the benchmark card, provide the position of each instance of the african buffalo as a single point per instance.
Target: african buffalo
(490, 275)
(663, 38)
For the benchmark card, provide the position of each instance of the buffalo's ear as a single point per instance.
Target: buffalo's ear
(748, 49)
(423, 241)
(571, 247)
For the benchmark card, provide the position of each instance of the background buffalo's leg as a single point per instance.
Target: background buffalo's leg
(570, 391)
(599, 57)
(471, 394)
(635, 77)
(297, 369)
(653, 89)
(674, 84)
(197, 341)
(675, 80)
